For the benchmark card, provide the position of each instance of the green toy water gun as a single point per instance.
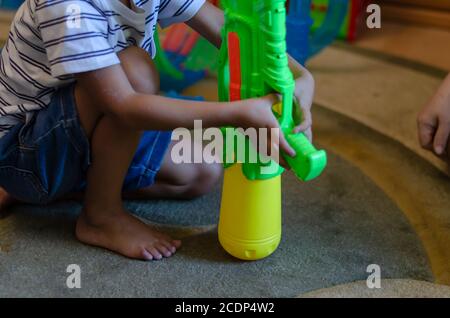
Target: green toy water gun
(253, 63)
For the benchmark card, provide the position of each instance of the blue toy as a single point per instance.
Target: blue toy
(302, 44)
(175, 95)
(10, 4)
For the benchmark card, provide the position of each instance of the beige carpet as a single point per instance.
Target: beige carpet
(5, 22)
(390, 288)
(385, 94)
(427, 45)
(367, 208)
(378, 92)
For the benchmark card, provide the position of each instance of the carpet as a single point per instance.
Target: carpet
(333, 229)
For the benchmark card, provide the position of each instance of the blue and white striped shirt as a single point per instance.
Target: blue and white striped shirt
(50, 40)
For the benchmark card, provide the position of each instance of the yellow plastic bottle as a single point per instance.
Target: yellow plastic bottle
(250, 215)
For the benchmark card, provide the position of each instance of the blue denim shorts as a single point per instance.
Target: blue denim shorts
(48, 157)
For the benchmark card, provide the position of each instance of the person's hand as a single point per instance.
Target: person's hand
(257, 113)
(434, 123)
(304, 94)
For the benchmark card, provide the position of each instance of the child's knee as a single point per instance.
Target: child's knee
(140, 70)
(206, 176)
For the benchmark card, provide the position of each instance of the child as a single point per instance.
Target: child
(434, 123)
(80, 113)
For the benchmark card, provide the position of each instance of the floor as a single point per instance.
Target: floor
(381, 201)
(430, 46)
(5, 21)
(393, 288)
(333, 229)
(373, 89)
(393, 93)
(378, 202)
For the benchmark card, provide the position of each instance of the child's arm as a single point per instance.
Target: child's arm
(434, 123)
(110, 88)
(209, 22)
(304, 92)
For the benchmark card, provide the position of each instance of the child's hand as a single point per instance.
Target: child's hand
(434, 123)
(304, 93)
(257, 113)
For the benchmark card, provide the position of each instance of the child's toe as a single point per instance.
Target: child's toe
(146, 255)
(176, 243)
(171, 247)
(164, 250)
(155, 253)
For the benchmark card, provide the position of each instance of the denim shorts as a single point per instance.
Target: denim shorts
(48, 157)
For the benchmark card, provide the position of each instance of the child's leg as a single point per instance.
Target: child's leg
(104, 222)
(180, 181)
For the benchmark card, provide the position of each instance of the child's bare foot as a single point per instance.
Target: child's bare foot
(5, 201)
(122, 233)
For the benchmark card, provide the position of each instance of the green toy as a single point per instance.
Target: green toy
(253, 62)
(353, 20)
(163, 63)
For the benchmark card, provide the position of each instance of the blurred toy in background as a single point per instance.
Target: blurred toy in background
(302, 43)
(184, 57)
(174, 94)
(10, 4)
(354, 19)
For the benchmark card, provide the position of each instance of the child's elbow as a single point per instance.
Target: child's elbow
(123, 111)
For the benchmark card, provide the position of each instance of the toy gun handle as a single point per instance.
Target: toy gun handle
(309, 162)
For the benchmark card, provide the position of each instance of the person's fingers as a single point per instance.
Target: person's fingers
(306, 124)
(272, 99)
(426, 135)
(285, 146)
(277, 144)
(309, 134)
(305, 87)
(305, 101)
(441, 138)
(287, 149)
(426, 127)
(277, 157)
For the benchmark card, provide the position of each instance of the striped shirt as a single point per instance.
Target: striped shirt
(51, 40)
